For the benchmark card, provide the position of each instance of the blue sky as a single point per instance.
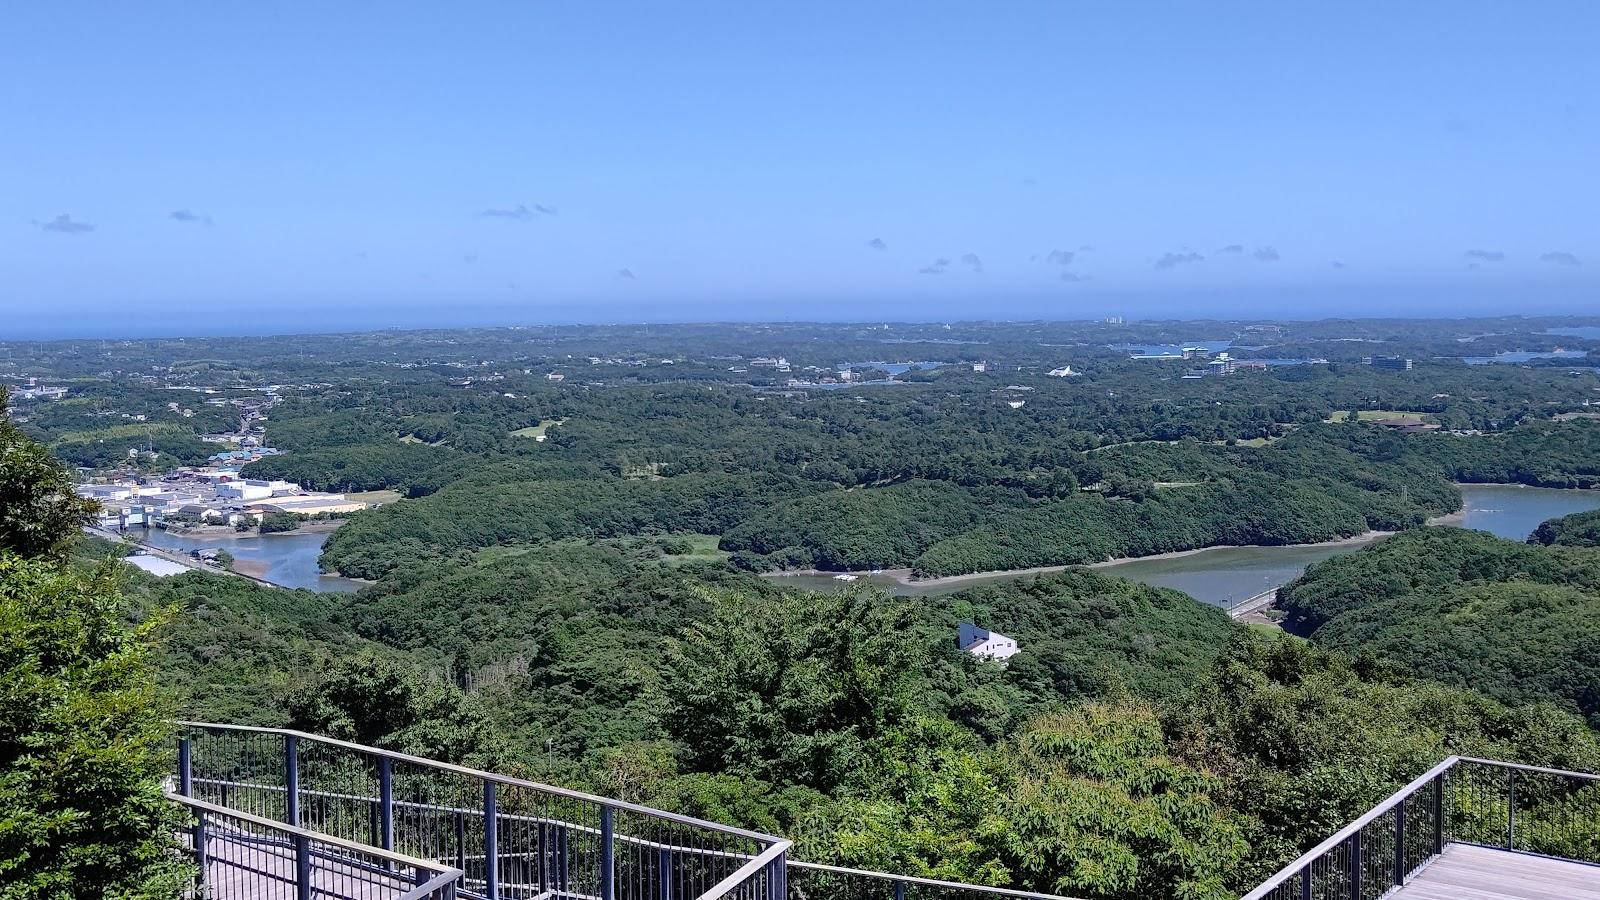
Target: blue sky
(332, 164)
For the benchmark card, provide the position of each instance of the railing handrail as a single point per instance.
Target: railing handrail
(442, 871)
(506, 816)
(926, 882)
(491, 776)
(747, 871)
(1343, 834)
(429, 888)
(1538, 770)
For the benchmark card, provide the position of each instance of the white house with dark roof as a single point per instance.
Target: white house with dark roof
(987, 644)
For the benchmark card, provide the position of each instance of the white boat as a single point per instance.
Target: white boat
(845, 577)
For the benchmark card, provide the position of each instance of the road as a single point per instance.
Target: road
(182, 559)
(1255, 608)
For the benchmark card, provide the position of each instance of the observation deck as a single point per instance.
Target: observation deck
(287, 815)
(1468, 829)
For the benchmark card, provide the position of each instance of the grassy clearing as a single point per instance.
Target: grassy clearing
(119, 432)
(1372, 415)
(539, 430)
(376, 498)
(703, 548)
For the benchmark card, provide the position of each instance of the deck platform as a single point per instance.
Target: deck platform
(1467, 872)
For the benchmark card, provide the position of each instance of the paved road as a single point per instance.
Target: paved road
(182, 559)
(1255, 608)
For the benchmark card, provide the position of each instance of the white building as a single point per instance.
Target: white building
(1063, 372)
(105, 492)
(980, 367)
(249, 489)
(987, 644)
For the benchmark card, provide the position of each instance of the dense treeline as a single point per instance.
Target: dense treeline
(1565, 455)
(468, 515)
(1512, 620)
(413, 469)
(1577, 530)
(863, 528)
(83, 729)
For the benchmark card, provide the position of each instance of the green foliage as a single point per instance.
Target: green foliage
(1087, 802)
(413, 469)
(497, 509)
(84, 742)
(1514, 621)
(369, 699)
(39, 513)
(276, 522)
(1565, 455)
(1577, 530)
(805, 689)
(863, 528)
(1306, 740)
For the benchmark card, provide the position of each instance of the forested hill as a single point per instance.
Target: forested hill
(1514, 621)
(1136, 725)
(1577, 530)
(803, 508)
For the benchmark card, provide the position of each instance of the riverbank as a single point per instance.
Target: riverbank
(904, 576)
(228, 532)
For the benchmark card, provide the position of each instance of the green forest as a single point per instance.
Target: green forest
(1514, 621)
(589, 609)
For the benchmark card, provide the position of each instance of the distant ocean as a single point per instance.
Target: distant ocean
(47, 321)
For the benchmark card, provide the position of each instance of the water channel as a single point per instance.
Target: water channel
(1227, 575)
(1221, 576)
(287, 560)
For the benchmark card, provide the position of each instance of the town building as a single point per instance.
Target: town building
(308, 505)
(1063, 372)
(1397, 363)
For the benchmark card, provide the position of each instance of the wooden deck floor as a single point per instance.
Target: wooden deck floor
(245, 866)
(1479, 873)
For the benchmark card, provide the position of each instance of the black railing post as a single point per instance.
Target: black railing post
(1438, 814)
(491, 841)
(200, 846)
(185, 768)
(1305, 881)
(664, 868)
(608, 859)
(461, 842)
(1355, 865)
(776, 890)
(291, 779)
(386, 802)
(562, 875)
(1400, 842)
(899, 890)
(302, 867)
(1511, 809)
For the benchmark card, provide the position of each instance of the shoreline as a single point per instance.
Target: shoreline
(903, 576)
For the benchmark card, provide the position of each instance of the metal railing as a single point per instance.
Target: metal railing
(813, 881)
(510, 837)
(245, 855)
(1547, 812)
(507, 838)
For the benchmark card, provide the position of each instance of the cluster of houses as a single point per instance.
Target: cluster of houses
(1221, 364)
(214, 495)
(33, 390)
